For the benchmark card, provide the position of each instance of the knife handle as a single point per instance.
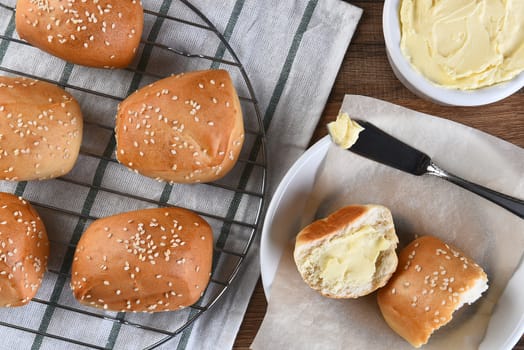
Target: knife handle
(514, 205)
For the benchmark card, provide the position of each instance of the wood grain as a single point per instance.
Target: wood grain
(366, 71)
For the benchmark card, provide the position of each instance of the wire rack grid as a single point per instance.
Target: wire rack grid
(242, 192)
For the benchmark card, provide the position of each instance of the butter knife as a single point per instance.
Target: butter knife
(375, 144)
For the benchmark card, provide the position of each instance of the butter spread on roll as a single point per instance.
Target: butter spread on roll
(24, 251)
(433, 280)
(348, 254)
(464, 44)
(96, 33)
(351, 257)
(40, 130)
(344, 131)
(147, 260)
(186, 128)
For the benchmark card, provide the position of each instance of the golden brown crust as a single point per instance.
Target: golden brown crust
(425, 290)
(147, 260)
(40, 130)
(186, 128)
(333, 223)
(92, 33)
(24, 250)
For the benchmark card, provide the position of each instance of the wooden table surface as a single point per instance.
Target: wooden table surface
(366, 71)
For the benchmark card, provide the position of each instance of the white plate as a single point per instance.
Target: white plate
(282, 222)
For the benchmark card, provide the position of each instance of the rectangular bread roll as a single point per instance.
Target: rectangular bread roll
(147, 260)
(90, 33)
(40, 130)
(433, 280)
(24, 251)
(186, 128)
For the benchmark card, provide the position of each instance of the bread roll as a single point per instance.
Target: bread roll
(147, 260)
(24, 250)
(348, 254)
(40, 130)
(186, 128)
(433, 280)
(96, 33)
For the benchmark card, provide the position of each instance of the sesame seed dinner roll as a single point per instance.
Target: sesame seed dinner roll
(432, 281)
(40, 130)
(147, 260)
(186, 128)
(97, 33)
(24, 250)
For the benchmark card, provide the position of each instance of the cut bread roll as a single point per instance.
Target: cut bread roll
(94, 33)
(40, 130)
(186, 128)
(147, 260)
(350, 253)
(433, 280)
(24, 250)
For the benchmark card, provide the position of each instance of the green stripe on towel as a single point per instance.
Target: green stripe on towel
(68, 257)
(90, 199)
(268, 116)
(4, 44)
(64, 78)
(142, 65)
(219, 54)
(235, 14)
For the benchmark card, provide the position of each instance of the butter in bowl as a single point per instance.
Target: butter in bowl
(460, 53)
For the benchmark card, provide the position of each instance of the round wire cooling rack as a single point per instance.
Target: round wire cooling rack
(176, 35)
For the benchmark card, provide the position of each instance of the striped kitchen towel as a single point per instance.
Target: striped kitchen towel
(291, 51)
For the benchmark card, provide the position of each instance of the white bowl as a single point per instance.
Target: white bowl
(424, 88)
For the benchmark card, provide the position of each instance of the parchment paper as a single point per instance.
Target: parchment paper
(299, 318)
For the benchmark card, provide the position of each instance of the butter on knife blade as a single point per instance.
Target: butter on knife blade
(344, 131)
